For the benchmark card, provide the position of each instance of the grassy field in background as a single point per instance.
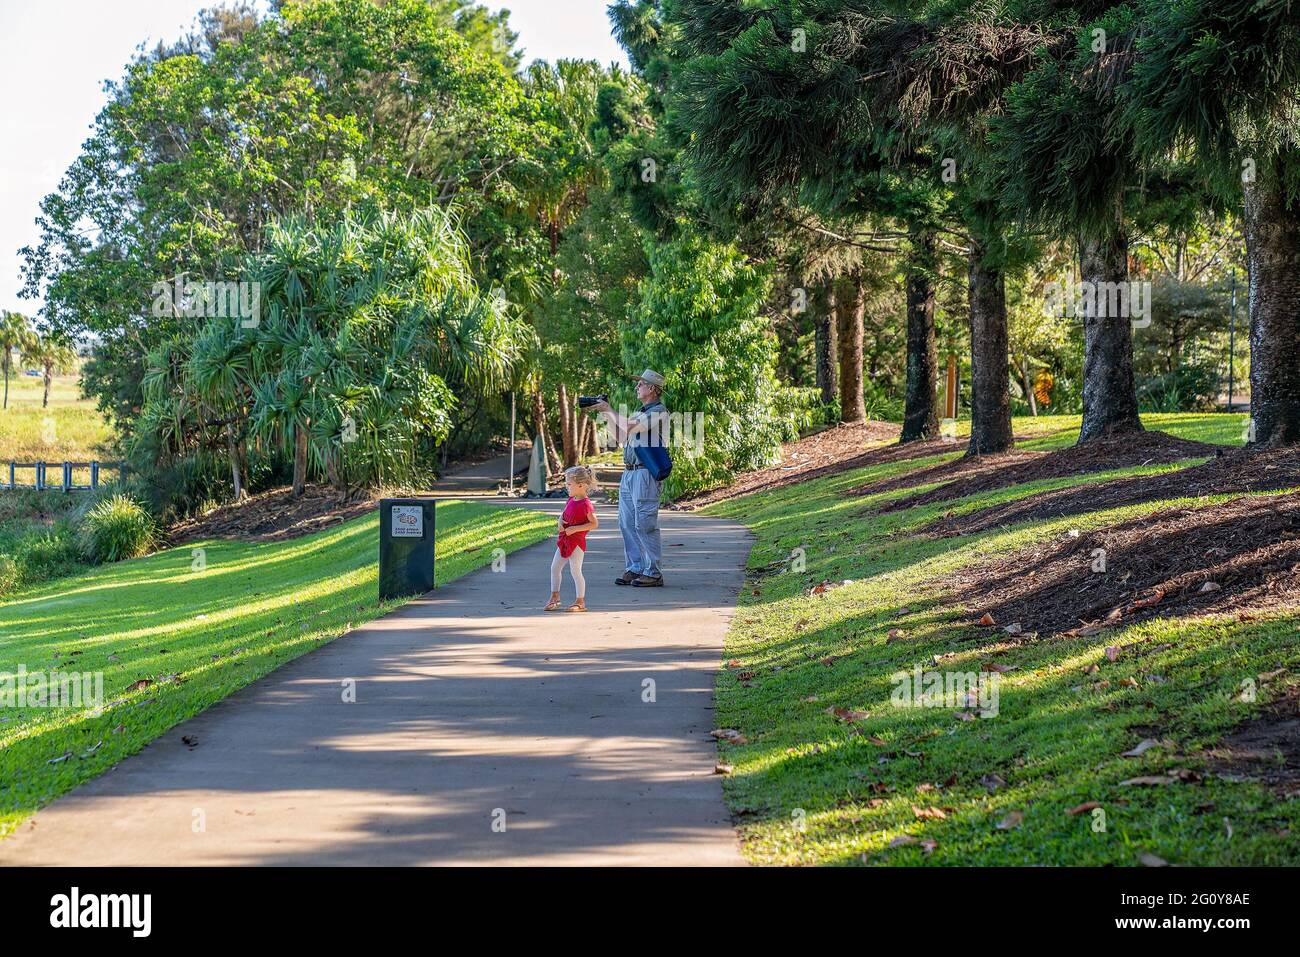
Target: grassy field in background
(70, 430)
(171, 639)
(809, 788)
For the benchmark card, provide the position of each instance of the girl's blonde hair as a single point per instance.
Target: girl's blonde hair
(582, 474)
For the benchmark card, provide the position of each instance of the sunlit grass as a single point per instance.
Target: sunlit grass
(71, 429)
(217, 614)
(808, 788)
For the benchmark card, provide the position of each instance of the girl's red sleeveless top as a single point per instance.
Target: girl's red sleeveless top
(576, 512)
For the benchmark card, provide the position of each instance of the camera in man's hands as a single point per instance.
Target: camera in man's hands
(587, 401)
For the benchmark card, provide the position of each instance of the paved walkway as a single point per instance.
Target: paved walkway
(470, 704)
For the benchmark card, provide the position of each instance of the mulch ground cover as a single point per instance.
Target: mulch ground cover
(1243, 553)
(274, 515)
(971, 475)
(1230, 471)
(832, 450)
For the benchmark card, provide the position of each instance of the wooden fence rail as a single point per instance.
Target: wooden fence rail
(62, 473)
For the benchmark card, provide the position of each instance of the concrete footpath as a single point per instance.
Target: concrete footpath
(474, 710)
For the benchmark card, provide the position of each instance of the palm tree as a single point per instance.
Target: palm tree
(218, 374)
(374, 328)
(52, 355)
(14, 335)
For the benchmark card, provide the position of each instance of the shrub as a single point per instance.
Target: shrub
(1189, 388)
(114, 529)
(698, 321)
(11, 576)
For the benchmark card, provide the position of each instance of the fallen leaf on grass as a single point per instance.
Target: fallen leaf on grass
(1112, 653)
(729, 734)
(1210, 586)
(1150, 860)
(1148, 780)
(1141, 748)
(1086, 806)
(999, 668)
(987, 620)
(847, 714)
(931, 813)
(140, 685)
(1013, 820)
(723, 768)
(1013, 628)
(929, 845)
(992, 782)
(1086, 630)
(902, 839)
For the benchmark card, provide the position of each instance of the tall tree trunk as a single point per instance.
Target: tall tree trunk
(990, 415)
(567, 428)
(849, 306)
(539, 428)
(299, 459)
(826, 342)
(1109, 393)
(49, 378)
(590, 445)
(1273, 253)
(232, 450)
(920, 406)
(1029, 388)
(6, 365)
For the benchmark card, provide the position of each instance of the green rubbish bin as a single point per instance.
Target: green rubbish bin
(406, 534)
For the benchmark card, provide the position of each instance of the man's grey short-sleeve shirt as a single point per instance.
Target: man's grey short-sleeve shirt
(645, 413)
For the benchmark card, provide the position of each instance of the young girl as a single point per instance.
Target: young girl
(578, 519)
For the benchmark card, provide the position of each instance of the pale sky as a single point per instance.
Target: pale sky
(56, 54)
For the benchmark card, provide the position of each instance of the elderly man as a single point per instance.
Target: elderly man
(638, 492)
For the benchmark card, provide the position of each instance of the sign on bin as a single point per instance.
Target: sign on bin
(408, 521)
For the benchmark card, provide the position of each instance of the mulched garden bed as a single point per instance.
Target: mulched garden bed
(274, 515)
(1266, 748)
(986, 473)
(836, 449)
(1230, 471)
(1243, 553)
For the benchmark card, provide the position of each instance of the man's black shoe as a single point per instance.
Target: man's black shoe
(645, 581)
(627, 578)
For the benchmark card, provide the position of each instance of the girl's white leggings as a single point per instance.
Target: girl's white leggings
(575, 568)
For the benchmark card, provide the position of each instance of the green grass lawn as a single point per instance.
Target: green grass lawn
(195, 636)
(809, 787)
(71, 429)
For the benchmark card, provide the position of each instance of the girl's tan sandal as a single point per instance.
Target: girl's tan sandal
(553, 605)
(578, 605)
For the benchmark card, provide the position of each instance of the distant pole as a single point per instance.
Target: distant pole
(1232, 339)
(512, 442)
